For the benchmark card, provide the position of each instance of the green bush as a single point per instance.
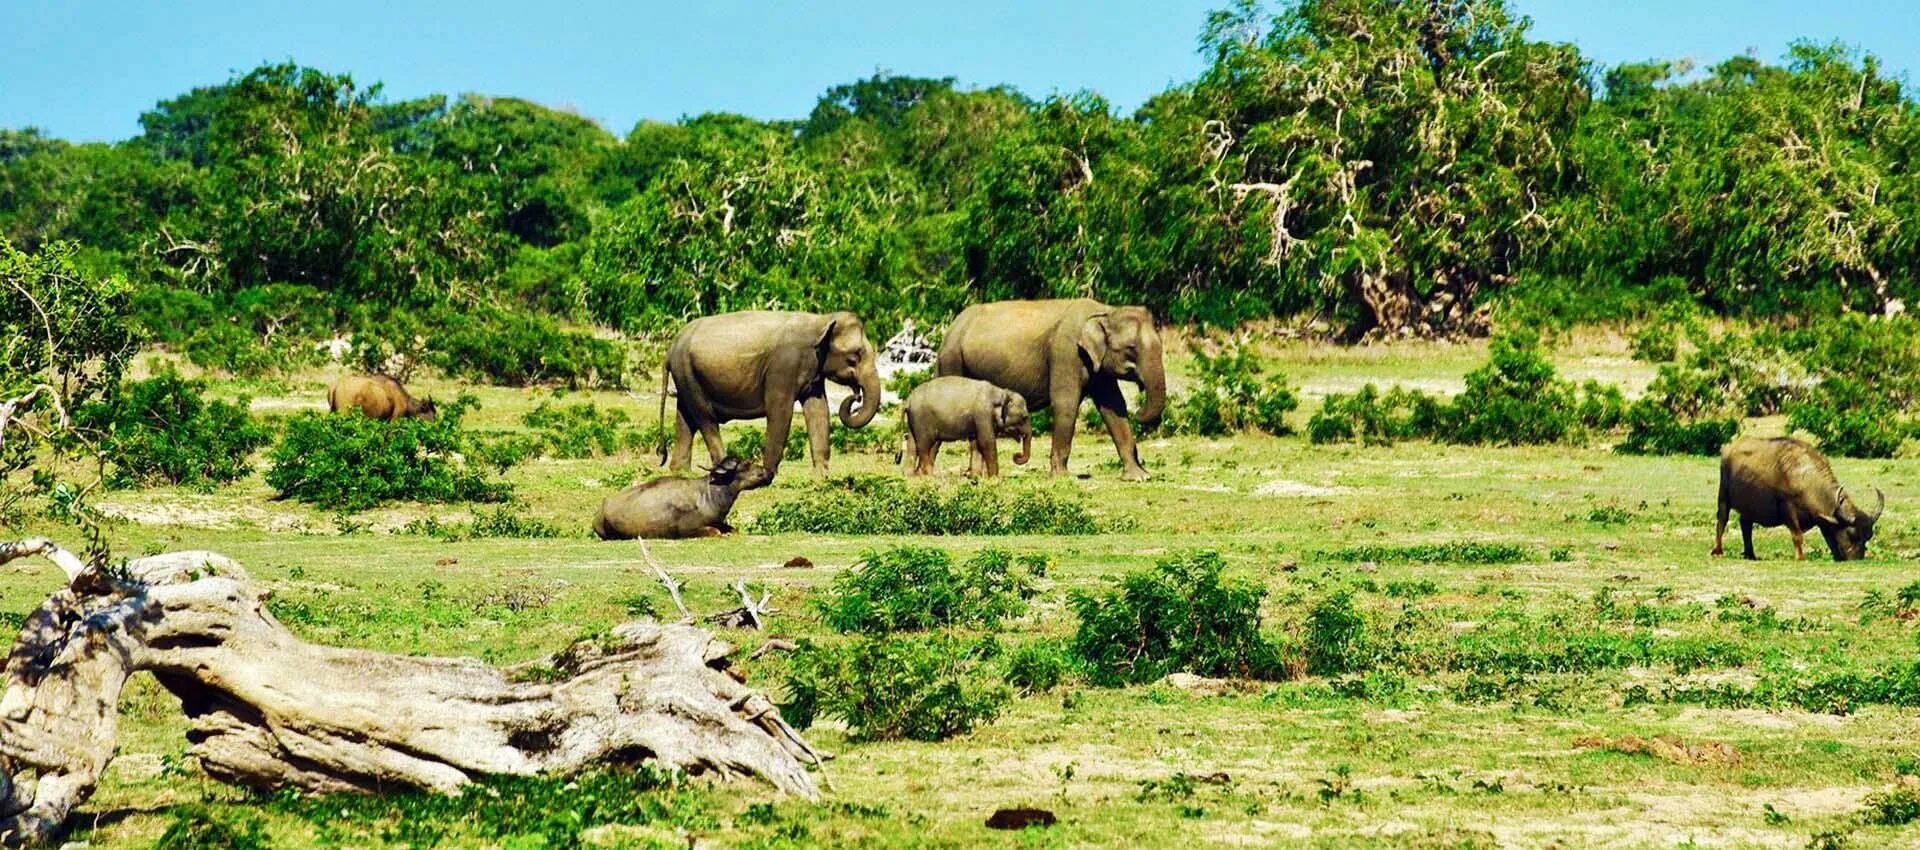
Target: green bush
(1455, 552)
(1180, 616)
(582, 430)
(751, 442)
(1369, 417)
(548, 812)
(226, 346)
(1654, 429)
(162, 431)
(1231, 397)
(916, 588)
(201, 828)
(886, 505)
(354, 463)
(905, 381)
(887, 688)
(1894, 807)
(521, 349)
(1038, 666)
(1847, 422)
(1515, 398)
(1337, 637)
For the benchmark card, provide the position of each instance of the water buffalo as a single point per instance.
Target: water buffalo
(677, 507)
(378, 396)
(1785, 482)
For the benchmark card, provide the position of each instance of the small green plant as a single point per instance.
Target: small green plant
(354, 463)
(1336, 636)
(163, 431)
(1454, 552)
(1038, 666)
(1180, 616)
(886, 688)
(581, 430)
(917, 588)
(1895, 807)
(887, 505)
(197, 827)
(1231, 396)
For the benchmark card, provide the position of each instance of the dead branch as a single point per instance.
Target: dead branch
(269, 711)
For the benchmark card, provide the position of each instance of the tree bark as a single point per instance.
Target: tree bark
(270, 711)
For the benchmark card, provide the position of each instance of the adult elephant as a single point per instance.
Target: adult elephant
(1055, 353)
(759, 363)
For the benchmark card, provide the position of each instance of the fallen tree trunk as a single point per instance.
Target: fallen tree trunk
(269, 711)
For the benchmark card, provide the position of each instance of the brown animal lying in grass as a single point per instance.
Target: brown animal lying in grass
(678, 507)
(1785, 482)
(378, 396)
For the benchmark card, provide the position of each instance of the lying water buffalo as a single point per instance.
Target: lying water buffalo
(378, 396)
(1785, 482)
(678, 507)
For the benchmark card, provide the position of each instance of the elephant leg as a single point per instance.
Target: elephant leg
(1720, 531)
(818, 421)
(682, 458)
(716, 447)
(779, 424)
(1113, 409)
(985, 446)
(1066, 413)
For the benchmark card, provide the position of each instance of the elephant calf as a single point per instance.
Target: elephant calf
(677, 507)
(378, 396)
(954, 408)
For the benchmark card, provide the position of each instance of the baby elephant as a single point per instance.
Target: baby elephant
(677, 507)
(956, 408)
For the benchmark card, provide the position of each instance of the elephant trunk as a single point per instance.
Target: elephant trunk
(869, 398)
(1026, 446)
(1153, 383)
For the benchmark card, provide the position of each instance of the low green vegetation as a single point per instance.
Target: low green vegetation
(163, 430)
(354, 463)
(887, 505)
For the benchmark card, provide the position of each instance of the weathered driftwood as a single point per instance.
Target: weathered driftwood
(268, 710)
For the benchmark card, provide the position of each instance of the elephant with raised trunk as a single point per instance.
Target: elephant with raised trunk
(757, 364)
(1056, 353)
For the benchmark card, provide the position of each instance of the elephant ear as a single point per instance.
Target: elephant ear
(1001, 404)
(1093, 339)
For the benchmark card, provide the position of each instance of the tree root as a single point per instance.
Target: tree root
(270, 711)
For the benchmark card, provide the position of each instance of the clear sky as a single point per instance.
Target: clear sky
(85, 69)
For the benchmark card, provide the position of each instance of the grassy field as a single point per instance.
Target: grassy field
(1583, 693)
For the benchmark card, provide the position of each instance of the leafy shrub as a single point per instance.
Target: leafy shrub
(1231, 397)
(1336, 636)
(1847, 423)
(505, 522)
(550, 812)
(201, 828)
(914, 587)
(1654, 428)
(905, 381)
(581, 430)
(520, 349)
(1037, 666)
(1655, 342)
(1181, 616)
(226, 346)
(886, 688)
(751, 442)
(162, 431)
(1375, 419)
(1515, 398)
(886, 505)
(1894, 807)
(354, 463)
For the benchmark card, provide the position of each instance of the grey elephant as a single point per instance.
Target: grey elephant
(1056, 353)
(954, 408)
(676, 507)
(759, 363)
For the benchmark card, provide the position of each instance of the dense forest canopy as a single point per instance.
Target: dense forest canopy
(1392, 166)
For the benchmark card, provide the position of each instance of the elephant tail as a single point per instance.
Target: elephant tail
(666, 438)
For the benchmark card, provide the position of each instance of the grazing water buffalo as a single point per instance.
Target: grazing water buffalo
(378, 396)
(677, 507)
(1785, 482)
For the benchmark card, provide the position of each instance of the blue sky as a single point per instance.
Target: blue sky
(85, 69)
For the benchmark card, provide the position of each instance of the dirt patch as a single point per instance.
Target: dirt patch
(1666, 748)
(1288, 487)
(187, 513)
(287, 404)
